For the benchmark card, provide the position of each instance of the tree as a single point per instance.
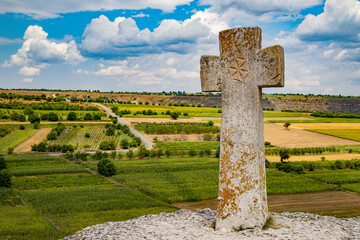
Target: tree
(71, 116)
(106, 168)
(110, 131)
(87, 117)
(174, 115)
(130, 154)
(107, 145)
(87, 135)
(287, 125)
(5, 179)
(33, 118)
(53, 117)
(28, 111)
(124, 143)
(2, 163)
(52, 135)
(284, 154)
(143, 152)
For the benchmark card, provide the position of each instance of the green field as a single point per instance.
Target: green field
(61, 198)
(15, 137)
(351, 134)
(76, 136)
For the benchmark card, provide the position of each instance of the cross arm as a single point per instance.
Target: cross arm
(271, 66)
(209, 74)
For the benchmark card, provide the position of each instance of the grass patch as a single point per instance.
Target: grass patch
(8, 197)
(25, 183)
(351, 134)
(284, 183)
(336, 176)
(88, 198)
(15, 137)
(354, 187)
(188, 145)
(42, 170)
(24, 223)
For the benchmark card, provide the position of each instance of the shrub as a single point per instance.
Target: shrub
(192, 152)
(22, 127)
(210, 123)
(124, 144)
(71, 116)
(36, 125)
(10, 150)
(33, 118)
(143, 152)
(186, 114)
(2, 163)
(53, 117)
(130, 154)
(52, 135)
(217, 153)
(174, 115)
(284, 155)
(106, 168)
(87, 135)
(28, 111)
(107, 145)
(113, 154)
(88, 117)
(5, 179)
(110, 131)
(114, 121)
(167, 153)
(287, 125)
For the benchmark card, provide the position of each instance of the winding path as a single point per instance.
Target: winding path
(146, 142)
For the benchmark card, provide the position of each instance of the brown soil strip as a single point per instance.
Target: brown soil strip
(104, 122)
(335, 203)
(326, 125)
(277, 135)
(176, 137)
(37, 138)
(331, 157)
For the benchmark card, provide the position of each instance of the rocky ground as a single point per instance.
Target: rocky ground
(199, 224)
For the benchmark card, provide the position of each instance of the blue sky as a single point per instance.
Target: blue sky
(154, 45)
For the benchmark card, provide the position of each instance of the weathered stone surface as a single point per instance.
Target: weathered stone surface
(240, 72)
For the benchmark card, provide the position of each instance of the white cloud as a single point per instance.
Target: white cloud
(27, 80)
(263, 6)
(245, 12)
(29, 71)
(122, 38)
(340, 21)
(140, 15)
(38, 52)
(38, 8)
(8, 41)
(81, 71)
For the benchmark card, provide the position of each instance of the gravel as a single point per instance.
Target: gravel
(199, 224)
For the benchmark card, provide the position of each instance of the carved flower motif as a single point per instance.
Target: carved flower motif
(238, 69)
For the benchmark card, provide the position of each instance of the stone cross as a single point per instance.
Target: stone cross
(240, 73)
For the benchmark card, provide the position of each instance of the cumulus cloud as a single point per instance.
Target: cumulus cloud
(38, 9)
(340, 21)
(262, 6)
(247, 12)
(27, 80)
(38, 52)
(122, 38)
(29, 71)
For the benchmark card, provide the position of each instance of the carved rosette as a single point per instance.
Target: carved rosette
(238, 69)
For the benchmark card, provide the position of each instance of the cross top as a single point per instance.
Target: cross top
(238, 48)
(240, 73)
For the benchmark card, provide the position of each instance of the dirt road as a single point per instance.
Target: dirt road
(37, 138)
